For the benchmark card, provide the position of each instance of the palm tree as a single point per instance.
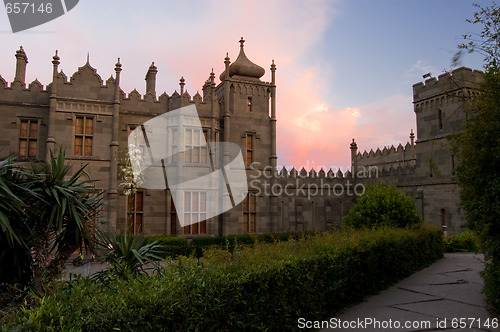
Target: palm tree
(15, 191)
(62, 216)
(45, 215)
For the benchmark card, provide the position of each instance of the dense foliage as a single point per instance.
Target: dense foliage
(172, 247)
(128, 255)
(464, 242)
(45, 213)
(264, 287)
(383, 206)
(478, 147)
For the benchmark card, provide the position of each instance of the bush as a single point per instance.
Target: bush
(172, 247)
(265, 287)
(383, 206)
(463, 242)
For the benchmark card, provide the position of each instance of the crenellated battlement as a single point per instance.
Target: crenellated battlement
(311, 174)
(452, 82)
(388, 156)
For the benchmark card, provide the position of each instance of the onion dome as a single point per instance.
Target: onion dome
(243, 67)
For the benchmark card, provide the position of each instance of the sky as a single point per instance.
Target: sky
(345, 68)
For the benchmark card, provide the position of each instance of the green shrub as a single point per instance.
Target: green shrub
(172, 247)
(383, 206)
(265, 287)
(128, 254)
(464, 242)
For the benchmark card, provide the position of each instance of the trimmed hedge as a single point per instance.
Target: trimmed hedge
(464, 242)
(178, 246)
(267, 287)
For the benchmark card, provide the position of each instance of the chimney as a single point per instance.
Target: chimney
(21, 62)
(151, 79)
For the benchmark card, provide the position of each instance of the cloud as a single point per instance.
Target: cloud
(419, 68)
(190, 40)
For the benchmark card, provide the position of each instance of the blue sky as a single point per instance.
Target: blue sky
(345, 68)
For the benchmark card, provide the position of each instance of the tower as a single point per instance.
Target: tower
(439, 106)
(248, 110)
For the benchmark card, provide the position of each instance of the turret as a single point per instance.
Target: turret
(21, 62)
(354, 154)
(151, 79)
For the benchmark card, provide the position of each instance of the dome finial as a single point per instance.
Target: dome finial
(242, 41)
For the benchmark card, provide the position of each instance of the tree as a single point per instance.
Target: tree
(486, 42)
(15, 259)
(62, 216)
(478, 148)
(45, 214)
(383, 206)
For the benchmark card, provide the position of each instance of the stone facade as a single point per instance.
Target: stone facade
(91, 119)
(425, 168)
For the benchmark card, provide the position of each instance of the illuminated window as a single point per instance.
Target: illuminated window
(84, 135)
(195, 212)
(135, 212)
(249, 104)
(249, 149)
(250, 212)
(196, 151)
(28, 136)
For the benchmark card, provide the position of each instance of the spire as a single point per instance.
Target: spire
(273, 72)
(21, 61)
(412, 137)
(151, 79)
(181, 84)
(88, 58)
(118, 69)
(242, 41)
(354, 161)
(354, 146)
(118, 66)
(212, 77)
(55, 63)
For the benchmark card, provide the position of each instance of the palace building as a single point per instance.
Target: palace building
(91, 119)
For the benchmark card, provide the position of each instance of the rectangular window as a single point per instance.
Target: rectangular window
(196, 151)
(250, 212)
(135, 212)
(28, 138)
(84, 135)
(249, 142)
(195, 212)
(249, 104)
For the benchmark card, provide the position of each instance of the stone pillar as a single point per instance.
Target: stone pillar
(151, 79)
(354, 160)
(113, 174)
(51, 141)
(21, 61)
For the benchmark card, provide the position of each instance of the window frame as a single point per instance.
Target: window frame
(84, 136)
(133, 212)
(195, 153)
(249, 207)
(28, 138)
(200, 211)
